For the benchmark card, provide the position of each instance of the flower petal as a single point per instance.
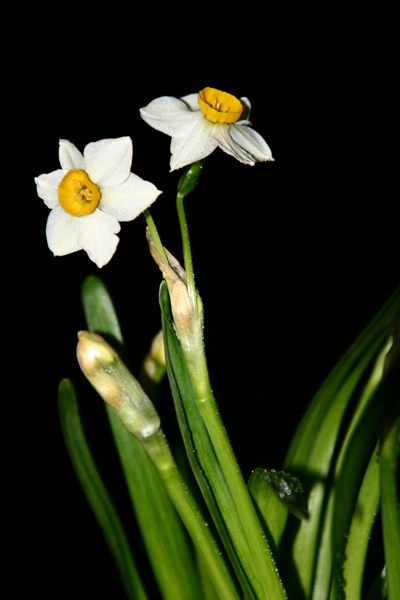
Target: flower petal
(169, 115)
(70, 157)
(62, 232)
(108, 162)
(221, 133)
(197, 145)
(47, 187)
(96, 236)
(126, 201)
(245, 116)
(192, 101)
(251, 141)
(245, 144)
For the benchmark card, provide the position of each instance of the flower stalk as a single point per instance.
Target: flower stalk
(117, 386)
(189, 328)
(191, 338)
(197, 367)
(186, 184)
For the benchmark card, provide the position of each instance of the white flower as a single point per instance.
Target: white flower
(89, 195)
(198, 123)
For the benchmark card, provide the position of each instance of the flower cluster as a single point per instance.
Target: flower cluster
(92, 192)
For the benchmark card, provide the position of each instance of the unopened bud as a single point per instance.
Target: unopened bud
(187, 314)
(94, 353)
(181, 308)
(154, 364)
(116, 385)
(190, 177)
(157, 348)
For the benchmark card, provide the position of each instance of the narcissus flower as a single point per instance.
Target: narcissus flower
(198, 123)
(89, 195)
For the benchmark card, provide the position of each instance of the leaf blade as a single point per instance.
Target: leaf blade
(390, 448)
(168, 548)
(199, 449)
(95, 491)
(312, 449)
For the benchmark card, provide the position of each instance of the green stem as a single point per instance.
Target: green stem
(258, 545)
(157, 448)
(187, 253)
(154, 234)
(193, 351)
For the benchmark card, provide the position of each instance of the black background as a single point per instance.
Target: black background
(292, 258)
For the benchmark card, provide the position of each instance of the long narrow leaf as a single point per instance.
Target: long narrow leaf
(95, 491)
(202, 458)
(272, 512)
(379, 590)
(363, 518)
(208, 588)
(361, 436)
(389, 455)
(313, 446)
(165, 539)
(357, 448)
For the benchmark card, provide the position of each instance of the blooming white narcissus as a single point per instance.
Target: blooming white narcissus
(198, 123)
(89, 195)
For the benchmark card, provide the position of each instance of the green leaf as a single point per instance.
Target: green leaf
(165, 539)
(200, 453)
(379, 589)
(357, 448)
(389, 454)
(95, 491)
(364, 515)
(208, 589)
(312, 450)
(271, 511)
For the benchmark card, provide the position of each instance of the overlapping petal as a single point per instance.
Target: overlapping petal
(69, 156)
(108, 162)
(242, 142)
(171, 116)
(224, 140)
(62, 232)
(245, 116)
(126, 201)
(97, 237)
(192, 101)
(47, 187)
(193, 147)
(251, 142)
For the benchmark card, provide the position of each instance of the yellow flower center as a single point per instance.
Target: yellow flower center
(219, 107)
(78, 195)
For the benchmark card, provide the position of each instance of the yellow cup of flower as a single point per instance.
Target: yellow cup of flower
(219, 107)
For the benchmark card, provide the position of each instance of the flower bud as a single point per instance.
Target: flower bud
(157, 348)
(154, 363)
(116, 385)
(189, 179)
(181, 308)
(188, 315)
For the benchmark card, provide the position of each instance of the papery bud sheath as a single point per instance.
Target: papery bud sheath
(116, 385)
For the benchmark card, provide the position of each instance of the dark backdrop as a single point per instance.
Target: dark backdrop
(292, 258)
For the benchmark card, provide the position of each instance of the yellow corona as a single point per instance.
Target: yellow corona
(219, 107)
(77, 195)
